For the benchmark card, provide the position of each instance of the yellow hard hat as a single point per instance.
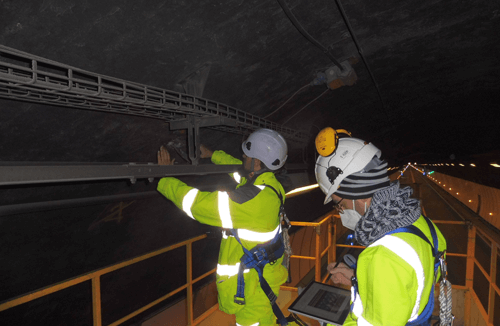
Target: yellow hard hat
(327, 140)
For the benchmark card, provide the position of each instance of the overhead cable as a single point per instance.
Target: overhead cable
(360, 51)
(305, 106)
(304, 33)
(286, 101)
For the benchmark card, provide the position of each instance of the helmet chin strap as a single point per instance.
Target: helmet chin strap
(255, 173)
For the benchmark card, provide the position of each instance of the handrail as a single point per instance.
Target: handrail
(472, 262)
(94, 276)
(330, 250)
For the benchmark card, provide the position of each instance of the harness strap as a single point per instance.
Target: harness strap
(425, 316)
(257, 258)
(277, 193)
(282, 206)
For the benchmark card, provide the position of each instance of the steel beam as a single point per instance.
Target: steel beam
(71, 203)
(62, 172)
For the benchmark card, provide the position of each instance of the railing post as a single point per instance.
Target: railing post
(189, 281)
(330, 225)
(96, 300)
(469, 273)
(493, 276)
(318, 254)
(334, 241)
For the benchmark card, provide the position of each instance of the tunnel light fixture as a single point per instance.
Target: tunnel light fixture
(452, 164)
(470, 200)
(439, 181)
(450, 188)
(461, 164)
(473, 165)
(491, 213)
(458, 193)
(495, 165)
(302, 189)
(447, 164)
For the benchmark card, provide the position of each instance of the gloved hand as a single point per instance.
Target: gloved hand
(341, 274)
(164, 157)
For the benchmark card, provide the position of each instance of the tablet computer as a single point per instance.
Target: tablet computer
(323, 302)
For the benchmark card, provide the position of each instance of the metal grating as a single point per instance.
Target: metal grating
(26, 77)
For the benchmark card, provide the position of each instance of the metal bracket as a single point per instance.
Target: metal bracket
(193, 124)
(318, 230)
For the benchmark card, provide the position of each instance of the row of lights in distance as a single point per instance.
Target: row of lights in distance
(439, 182)
(495, 165)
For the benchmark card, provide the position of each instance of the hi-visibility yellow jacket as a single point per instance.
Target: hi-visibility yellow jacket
(395, 277)
(252, 211)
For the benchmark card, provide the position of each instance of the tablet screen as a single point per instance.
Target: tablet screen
(323, 302)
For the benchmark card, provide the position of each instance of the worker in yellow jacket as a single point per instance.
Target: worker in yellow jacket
(393, 282)
(249, 216)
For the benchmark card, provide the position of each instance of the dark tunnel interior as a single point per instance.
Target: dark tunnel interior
(419, 79)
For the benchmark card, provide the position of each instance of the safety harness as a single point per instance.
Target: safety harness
(257, 258)
(424, 319)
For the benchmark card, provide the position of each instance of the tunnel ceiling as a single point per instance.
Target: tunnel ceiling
(436, 65)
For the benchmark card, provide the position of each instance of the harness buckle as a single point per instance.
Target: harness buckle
(260, 254)
(272, 297)
(238, 300)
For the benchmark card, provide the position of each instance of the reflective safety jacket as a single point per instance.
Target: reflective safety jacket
(395, 275)
(253, 210)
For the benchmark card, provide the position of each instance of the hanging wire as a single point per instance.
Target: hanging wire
(287, 100)
(305, 106)
(360, 51)
(308, 36)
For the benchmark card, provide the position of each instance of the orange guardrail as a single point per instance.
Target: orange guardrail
(330, 249)
(96, 287)
(488, 313)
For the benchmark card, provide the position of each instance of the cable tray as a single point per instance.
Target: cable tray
(30, 78)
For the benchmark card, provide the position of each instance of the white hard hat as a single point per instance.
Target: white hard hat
(268, 146)
(351, 156)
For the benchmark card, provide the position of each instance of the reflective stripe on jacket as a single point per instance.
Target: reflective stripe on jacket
(252, 211)
(395, 276)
